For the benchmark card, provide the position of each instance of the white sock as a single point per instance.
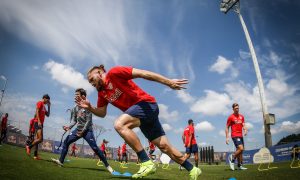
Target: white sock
(110, 169)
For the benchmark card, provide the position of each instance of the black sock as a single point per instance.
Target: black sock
(187, 165)
(142, 155)
(239, 164)
(35, 153)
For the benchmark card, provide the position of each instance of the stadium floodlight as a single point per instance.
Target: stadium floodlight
(268, 119)
(226, 5)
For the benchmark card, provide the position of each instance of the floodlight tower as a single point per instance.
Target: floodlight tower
(269, 119)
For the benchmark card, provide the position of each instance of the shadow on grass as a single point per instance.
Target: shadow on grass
(91, 169)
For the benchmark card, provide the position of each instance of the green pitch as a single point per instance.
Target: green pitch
(15, 164)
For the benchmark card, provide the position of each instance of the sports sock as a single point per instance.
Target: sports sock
(35, 153)
(187, 165)
(142, 155)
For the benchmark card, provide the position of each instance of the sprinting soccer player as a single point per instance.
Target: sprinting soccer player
(83, 119)
(237, 123)
(124, 153)
(151, 150)
(3, 127)
(140, 110)
(189, 140)
(73, 149)
(103, 147)
(41, 112)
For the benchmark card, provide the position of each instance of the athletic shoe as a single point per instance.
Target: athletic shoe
(231, 164)
(194, 173)
(146, 169)
(36, 158)
(57, 162)
(27, 150)
(242, 168)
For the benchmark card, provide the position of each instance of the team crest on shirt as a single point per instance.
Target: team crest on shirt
(110, 86)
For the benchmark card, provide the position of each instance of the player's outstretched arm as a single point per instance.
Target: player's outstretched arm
(84, 103)
(176, 84)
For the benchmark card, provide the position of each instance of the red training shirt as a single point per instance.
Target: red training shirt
(4, 122)
(42, 111)
(188, 132)
(124, 148)
(102, 147)
(31, 124)
(236, 124)
(120, 90)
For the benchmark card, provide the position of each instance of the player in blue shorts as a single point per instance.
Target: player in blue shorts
(189, 140)
(139, 110)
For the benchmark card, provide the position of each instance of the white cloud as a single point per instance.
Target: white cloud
(179, 130)
(204, 126)
(244, 54)
(167, 127)
(67, 76)
(166, 115)
(221, 65)
(212, 104)
(287, 127)
(185, 97)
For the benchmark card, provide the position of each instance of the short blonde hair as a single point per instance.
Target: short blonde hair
(101, 67)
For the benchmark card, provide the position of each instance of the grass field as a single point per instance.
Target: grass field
(15, 164)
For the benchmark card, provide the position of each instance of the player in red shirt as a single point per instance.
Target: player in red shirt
(119, 154)
(41, 112)
(74, 148)
(124, 153)
(189, 140)
(237, 123)
(103, 147)
(151, 150)
(140, 110)
(32, 130)
(3, 127)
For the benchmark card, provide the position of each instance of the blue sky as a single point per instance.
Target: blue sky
(48, 46)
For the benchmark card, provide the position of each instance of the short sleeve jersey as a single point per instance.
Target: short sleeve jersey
(102, 148)
(124, 149)
(4, 122)
(236, 124)
(120, 90)
(42, 111)
(31, 124)
(189, 130)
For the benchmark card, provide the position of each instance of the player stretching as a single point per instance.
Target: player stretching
(140, 110)
(237, 123)
(41, 112)
(83, 119)
(189, 140)
(3, 127)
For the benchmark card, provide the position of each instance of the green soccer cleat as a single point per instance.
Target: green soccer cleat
(194, 173)
(146, 169)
